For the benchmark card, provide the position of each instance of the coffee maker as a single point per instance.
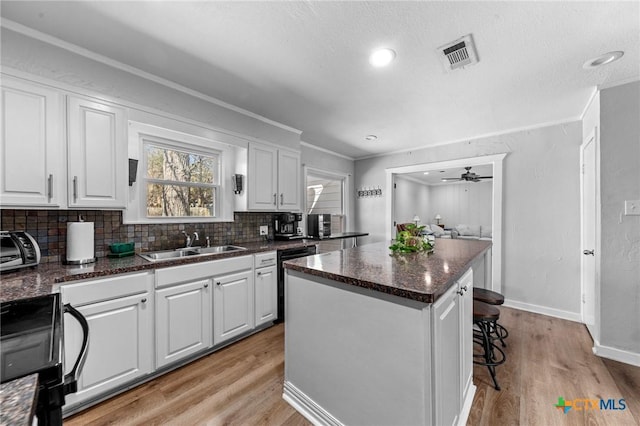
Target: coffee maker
(287, 226)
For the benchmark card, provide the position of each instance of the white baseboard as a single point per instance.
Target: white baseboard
(307, 407)
(466, 405)
(615, 354)
(537, 309)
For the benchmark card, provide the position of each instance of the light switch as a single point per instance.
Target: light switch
(632, 208)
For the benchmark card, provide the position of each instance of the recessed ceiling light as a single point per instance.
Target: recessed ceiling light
(382, 57)
(426, 173)
(607, 58)
(371, 137)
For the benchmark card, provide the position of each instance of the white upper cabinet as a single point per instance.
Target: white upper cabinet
(40, 168)
(273, 178)
(289, 180)
(97, 153)
(262, 177)
(32, 148)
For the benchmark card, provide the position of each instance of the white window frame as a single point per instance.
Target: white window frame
(141, 134)
(346, 193)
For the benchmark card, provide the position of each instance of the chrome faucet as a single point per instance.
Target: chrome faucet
(189, 241)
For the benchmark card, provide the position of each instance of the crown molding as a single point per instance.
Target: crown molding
(317, 148)
(73, 48)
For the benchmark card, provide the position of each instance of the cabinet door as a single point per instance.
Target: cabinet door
(289, 181)
(232, 305)
(262, 177)
(120, 344)
(266, 289)
(97, 152)
(32, 160)
(465, 285)
(183, 321)
(446, 357)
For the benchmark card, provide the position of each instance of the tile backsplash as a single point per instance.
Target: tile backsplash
(49, 228)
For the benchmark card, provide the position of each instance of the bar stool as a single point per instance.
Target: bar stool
(492, 298)
(485, 317)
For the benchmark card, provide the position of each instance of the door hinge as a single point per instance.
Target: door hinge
(394, 186)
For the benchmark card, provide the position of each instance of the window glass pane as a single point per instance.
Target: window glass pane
(180, 200)
(180, 166)
(324, 195)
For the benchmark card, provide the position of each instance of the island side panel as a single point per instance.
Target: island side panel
(362, 356)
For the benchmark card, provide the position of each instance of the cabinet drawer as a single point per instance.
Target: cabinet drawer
(177, 274)
(265, 259)
(92, 291)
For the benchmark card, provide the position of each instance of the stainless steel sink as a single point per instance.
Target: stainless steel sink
(156, 256)
(219, 249)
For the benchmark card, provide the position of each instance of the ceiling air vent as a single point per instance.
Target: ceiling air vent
(458, 53)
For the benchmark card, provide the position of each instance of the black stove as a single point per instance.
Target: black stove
(32, 341)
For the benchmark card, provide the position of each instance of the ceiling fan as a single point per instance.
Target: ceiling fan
(468, 176)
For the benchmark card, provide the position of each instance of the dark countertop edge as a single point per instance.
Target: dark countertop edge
(341, 235)
(404, 293)
(17, 400)
(47, 278)
(182, 261)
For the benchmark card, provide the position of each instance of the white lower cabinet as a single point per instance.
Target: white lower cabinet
(266, 288)
(465, 285)
(183, 321)
(232, 305)
(119, 312)
(446, 357)
(452, 317)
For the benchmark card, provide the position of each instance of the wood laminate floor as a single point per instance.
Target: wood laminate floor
(242, 384)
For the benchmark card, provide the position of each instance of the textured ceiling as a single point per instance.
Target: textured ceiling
(305, 64)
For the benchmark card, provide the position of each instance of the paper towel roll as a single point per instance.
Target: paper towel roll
(80, 248)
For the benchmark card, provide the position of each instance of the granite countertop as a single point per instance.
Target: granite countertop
(418, 276)
(17, 399)
(47, 278)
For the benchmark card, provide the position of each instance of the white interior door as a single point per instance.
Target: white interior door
(589, 254)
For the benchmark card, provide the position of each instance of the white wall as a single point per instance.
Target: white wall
(461, 203)
(541, 209)
(620, 234)
(411, 198)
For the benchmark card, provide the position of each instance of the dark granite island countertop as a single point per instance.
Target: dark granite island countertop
(17, 401)
(417, 276)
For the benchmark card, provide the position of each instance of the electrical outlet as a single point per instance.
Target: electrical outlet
(632, 207)
(264, 229)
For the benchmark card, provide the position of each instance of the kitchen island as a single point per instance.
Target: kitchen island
(374, 338)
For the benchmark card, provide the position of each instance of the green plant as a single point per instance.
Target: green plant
(410, 240)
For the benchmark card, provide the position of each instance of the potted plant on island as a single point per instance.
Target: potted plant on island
(410, 240)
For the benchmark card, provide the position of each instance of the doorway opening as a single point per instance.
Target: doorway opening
(493, 271)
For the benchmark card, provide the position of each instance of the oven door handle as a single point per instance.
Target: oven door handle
(71, 379)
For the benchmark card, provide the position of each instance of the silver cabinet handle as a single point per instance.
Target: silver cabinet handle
(281, 198)
(218, 283)
(274, 199)
(75, 188)
(588, 253)
(464, 288)
(50, 187)
(206, 285)
(460, 292)
(144, 300)
(259, 273)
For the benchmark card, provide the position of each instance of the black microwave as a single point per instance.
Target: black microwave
(319, 225)
(18, 249)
